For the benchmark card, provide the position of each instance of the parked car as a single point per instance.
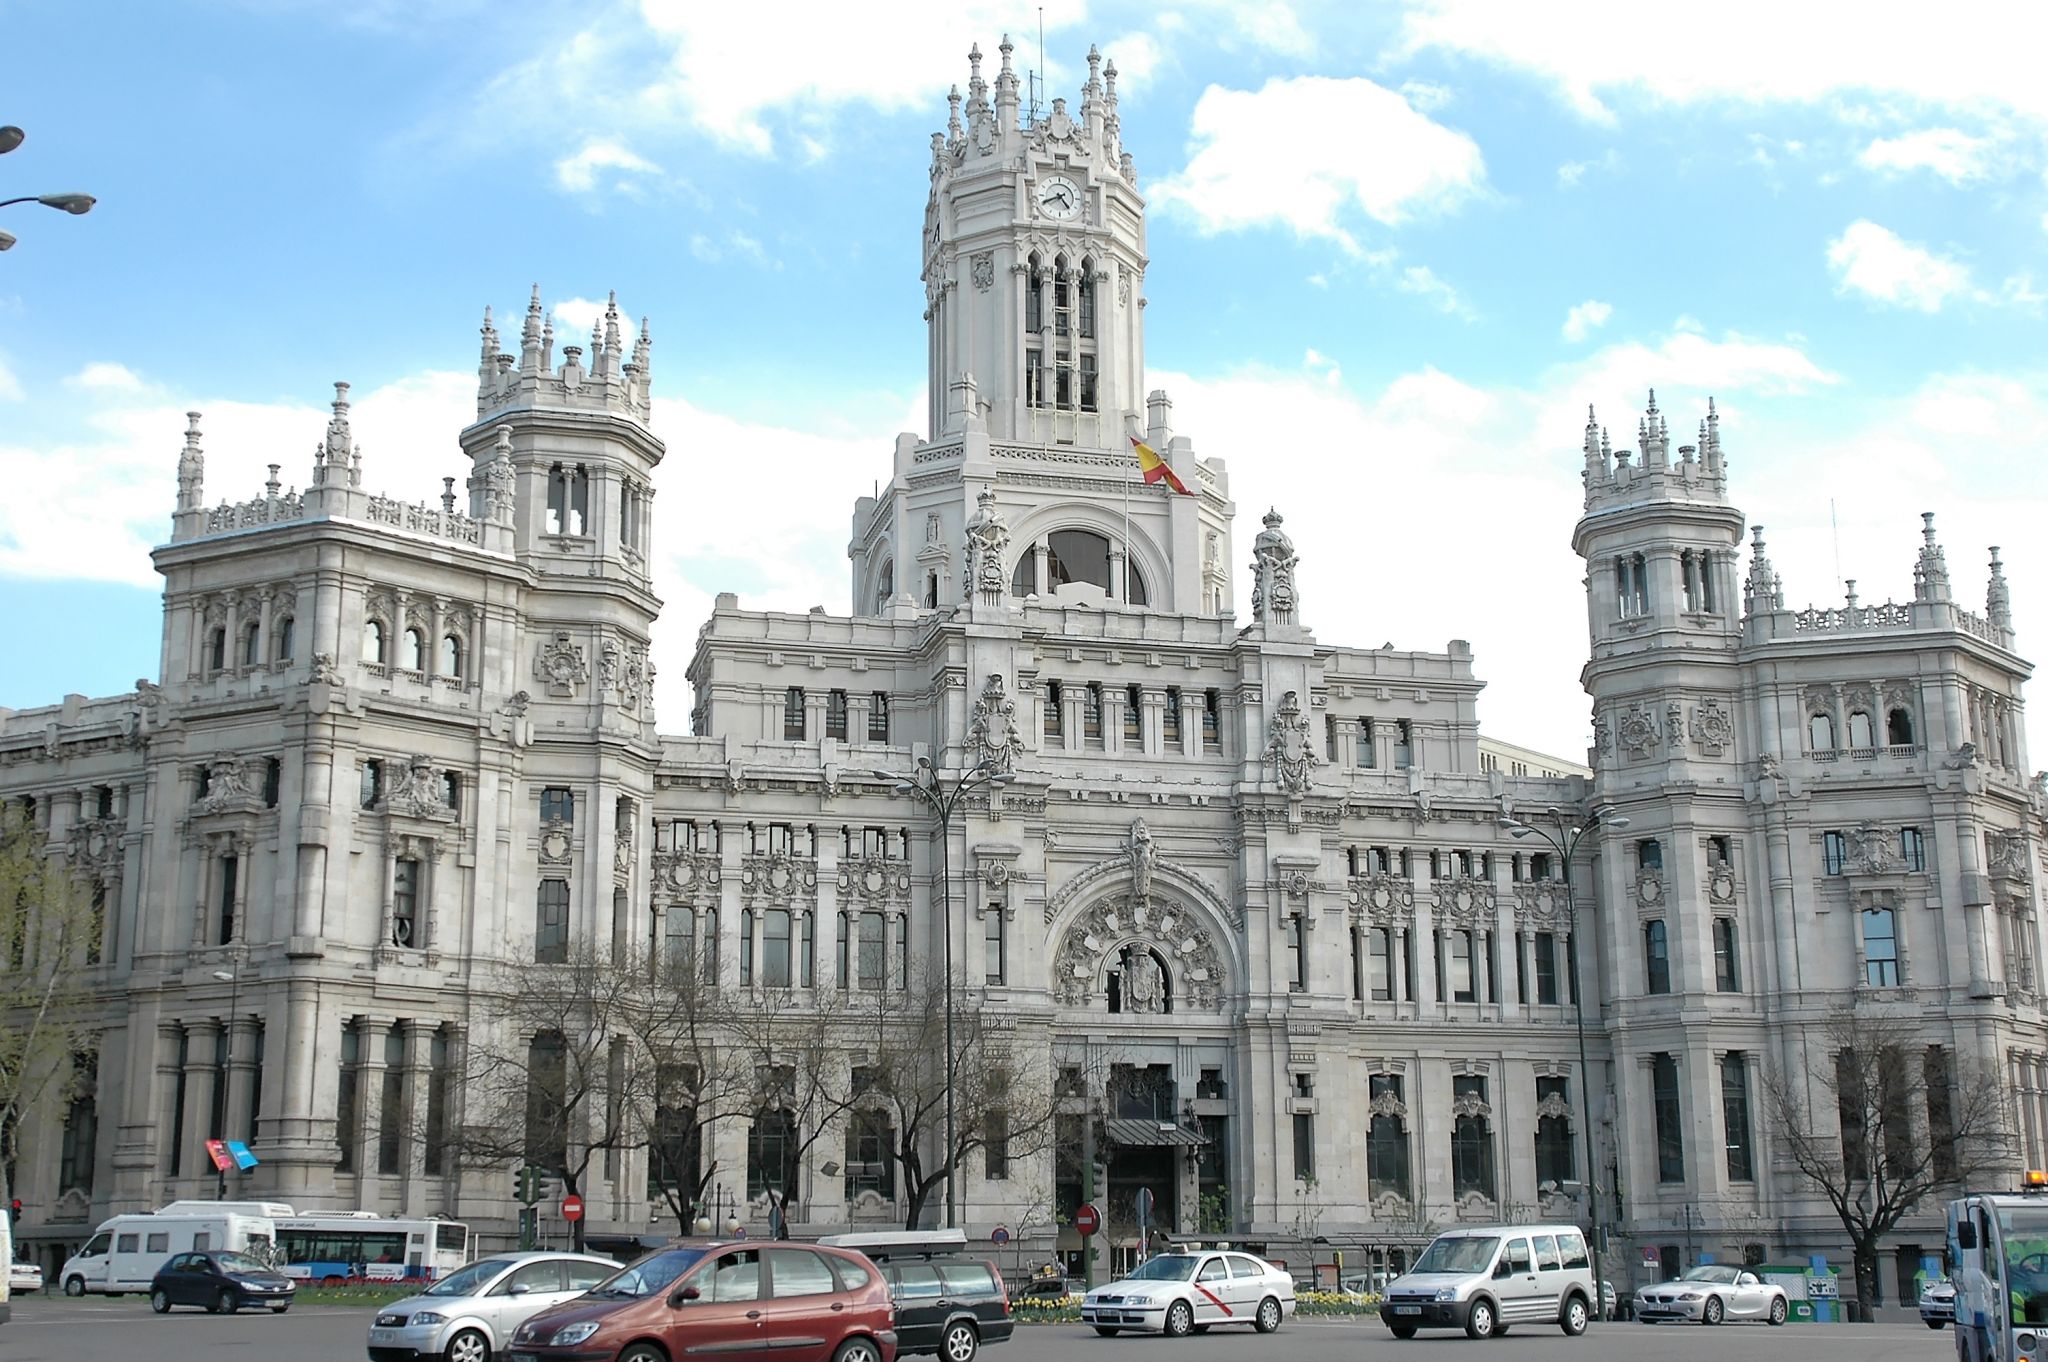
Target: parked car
(948, 1301)
(793, 1302)
(470, 1314)
(1487, 1279)
(219, 1281)
(24, 1277)
(1711, 1293)
(1189, 1293)
(1938, 1302)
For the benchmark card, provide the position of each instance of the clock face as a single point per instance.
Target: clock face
(1059, 198)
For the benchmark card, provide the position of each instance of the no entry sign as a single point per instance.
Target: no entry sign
(1087, 1220)
(572, 1207)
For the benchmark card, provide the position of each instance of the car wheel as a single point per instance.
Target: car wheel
(160, 1301)
(1574, 1320)
(226, 1303)
(1933, 1323)
(280, 1309)
(1268, 1318)
(1779, 1310)
(1711, 1312)
(1479, 1324)
(1401, 1330)
(467, 1346)
(1107, 1330)
(643, 1352)
(1180, 1320)
(858, 1350)
(961, 1342)
(75, 1287)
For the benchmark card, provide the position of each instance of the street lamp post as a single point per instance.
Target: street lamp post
(926, 783)
(1566, 844)
(233, 979)
(74, 204)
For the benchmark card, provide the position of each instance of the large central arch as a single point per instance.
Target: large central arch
(1152, 953)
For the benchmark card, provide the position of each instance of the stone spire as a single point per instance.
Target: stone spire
(642, 349)
(954, 130)
(1596, 458)
(1653, 434)
(487, 364)
(1998, 597)
(1762, 591)
(333, 454)
(530, 361)
(191, 468)
(1006, 87)
(1273, 559)
(1930, 573)
(977, 88)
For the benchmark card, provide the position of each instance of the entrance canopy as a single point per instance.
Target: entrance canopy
(1125, 1130)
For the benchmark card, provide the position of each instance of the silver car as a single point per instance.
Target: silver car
(470, 1314)
(1187, 1293)
(1711, 1293)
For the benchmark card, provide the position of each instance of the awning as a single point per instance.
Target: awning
(1132, 1131)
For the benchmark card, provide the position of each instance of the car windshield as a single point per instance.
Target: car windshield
(1458, 1253)
(470, 1280)
(1710, 1272)
(656, 1272)
(238, 1262)
(1167, 1267)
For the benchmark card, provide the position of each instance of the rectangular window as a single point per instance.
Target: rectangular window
(1670, 1119)
(1034, 360)
(1091, 713)
(435, 1136)
(1380, 963)
(1464, 978)
(551, 931)
(835, 714)
(346, 1124)
(1880, 948)
(230, 874)
(1649, 854)
(1913, 849)
(373, 783)
(557, 805)
(1171, 717)
(1555, 1152)
(1386, 1141)
(1212, 733)
(1472, 1165)
(1941, 1125)
(1735, 1116)
(391, 1104)
(992, 946)
(793, 715)
(878, 717)
(1366, 755)
(1087, 373)
(872, 957)
(1656, 957)
(775, 948)
(1834, 852)
(995, 1157)
(1727, 964)
(1404, 745)
(405, 901)
(1304, 1146)
(1544, 948)
(1055, 711)
(1134, 718)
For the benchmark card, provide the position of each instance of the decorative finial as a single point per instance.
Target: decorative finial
(1006, 47)
(1653, 402)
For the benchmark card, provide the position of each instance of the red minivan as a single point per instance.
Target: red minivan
(794, 1302)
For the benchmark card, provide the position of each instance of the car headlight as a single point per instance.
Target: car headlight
(1447, 1293)
(429, 1317)
(1137, 1300)
(1688, 1295)
(571, 1334)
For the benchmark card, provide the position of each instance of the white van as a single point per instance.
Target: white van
(125, 1252)
(1485, 1279)
(6, 1257)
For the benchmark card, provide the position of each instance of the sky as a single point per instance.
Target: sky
(1396, 251)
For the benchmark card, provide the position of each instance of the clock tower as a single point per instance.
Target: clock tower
(1034, 258)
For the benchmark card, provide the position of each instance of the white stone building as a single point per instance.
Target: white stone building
(392, 744)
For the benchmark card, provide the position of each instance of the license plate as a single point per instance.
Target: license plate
(1407, 1309)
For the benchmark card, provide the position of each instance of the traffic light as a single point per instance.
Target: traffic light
(14, 1211)
(523, 1185)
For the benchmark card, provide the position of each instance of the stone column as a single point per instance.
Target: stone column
(202, 1037)
(1041, 569)
(242, 1032)
(371, 1038)
(1113, 702)
(1153, 725)
(418, 1195)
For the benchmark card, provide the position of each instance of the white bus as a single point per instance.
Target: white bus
(332, 1247)
(125, 1252)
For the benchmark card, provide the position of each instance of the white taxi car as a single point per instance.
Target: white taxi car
(1189, 1293)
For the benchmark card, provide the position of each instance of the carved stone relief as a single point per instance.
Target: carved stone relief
(1289, 748)
(559, 663)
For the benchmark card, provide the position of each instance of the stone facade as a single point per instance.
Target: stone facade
(392, 745)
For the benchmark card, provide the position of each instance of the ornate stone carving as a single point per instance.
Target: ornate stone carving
(415, 792)
(1464, 899)
(1649, 888)
(622, 855)
(608, 665)
(983, 264)
(227, 790)
(688, 875)
(1874, 850)
(1194, 974)
(323, 671)
(992, 735)
(1386, 900)
(987, 538)
(1470, 1104)
(556, 844)
(1123, 286)
(1384, 1103)
(1553, 1105)
(2006, 853)
(874, 881)
(1273, 560)
(1638, 730)
(1290, 749)
(1721, 883)
(1712, 727)
(1144, 982)
(778, 878)
(516, 703)
(559, 663)
(1142, 854)
(1541, 904)
(997, 874)
(1165, 874)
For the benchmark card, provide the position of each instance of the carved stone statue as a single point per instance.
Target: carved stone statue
(225, 788)
(416, 791)
(1289, 748)
(1144, 986)
(1273, 560)
(560, 664)
(992, 736)
(987, 539)
(1142, 853)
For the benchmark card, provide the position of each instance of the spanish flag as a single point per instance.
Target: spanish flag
(1156, 468)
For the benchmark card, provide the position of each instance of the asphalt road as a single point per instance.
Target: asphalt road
(93, 1330)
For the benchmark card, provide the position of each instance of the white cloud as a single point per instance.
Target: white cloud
(1573, 173)
(579, 174)
(735, 244)
(1877, 263)
(575, 316)
(1253, 163)
(1585, 318)
(1422, 281)
(1751, 51)
(10, 386)
(1951, 153)
(103, 376)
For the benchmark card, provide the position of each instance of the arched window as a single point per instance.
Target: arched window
(1024, 578)
(1898, 728)
(1821, 733)
(568, 498)
(1859, 728)
(252, 645)
(217, 648)
(451, 657)
(282, 631)
(413, 655)
(373, 641)
(885, 586)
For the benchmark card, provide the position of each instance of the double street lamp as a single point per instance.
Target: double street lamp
(944, 796)
(74, 204)
(1571, 830)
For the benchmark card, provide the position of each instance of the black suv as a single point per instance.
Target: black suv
(948, 1301)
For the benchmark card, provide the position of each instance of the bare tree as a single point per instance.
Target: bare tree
(1909, 1118)
(50, 933)
(699, 1076)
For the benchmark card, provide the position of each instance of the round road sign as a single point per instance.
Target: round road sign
(1087, 1220)
(572, 1207)
(999, 1236)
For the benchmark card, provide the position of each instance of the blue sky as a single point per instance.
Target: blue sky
(1395, 249)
